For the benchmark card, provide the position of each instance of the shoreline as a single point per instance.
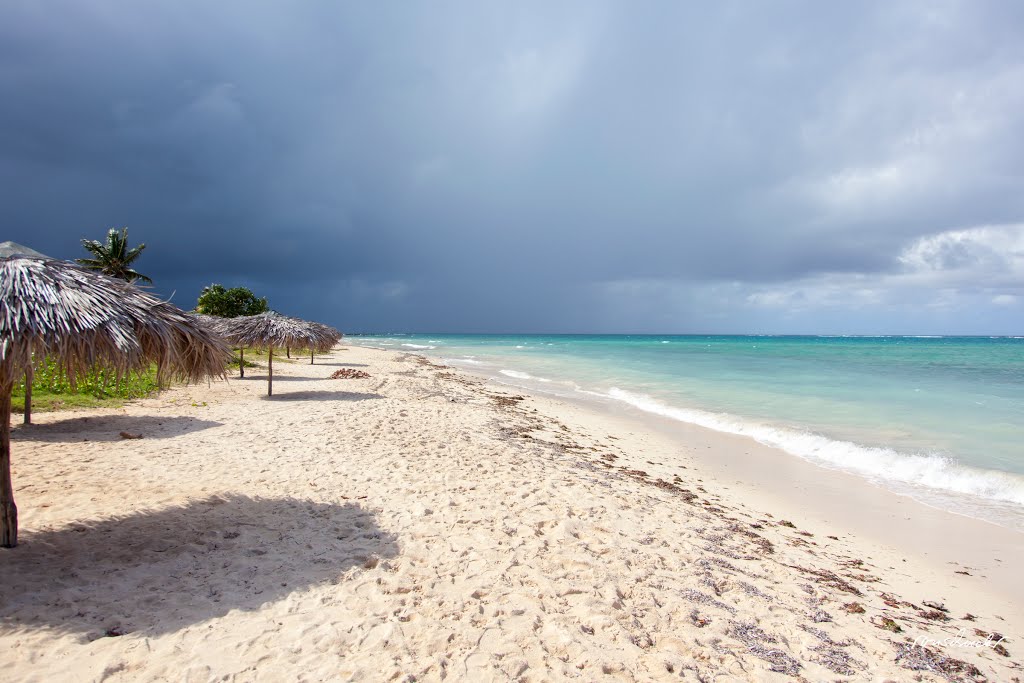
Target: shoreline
(898, 526)
(425, 523)
(634, 401)
(940, 542)
(1002, 512)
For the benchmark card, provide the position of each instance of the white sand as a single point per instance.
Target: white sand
(423, 525)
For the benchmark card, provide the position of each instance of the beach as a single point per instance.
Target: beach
(425, 523)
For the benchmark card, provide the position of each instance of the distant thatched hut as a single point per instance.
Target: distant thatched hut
(328, 337)
(79, 319)
(270, 330)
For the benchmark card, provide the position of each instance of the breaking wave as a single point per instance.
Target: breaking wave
(878, 464)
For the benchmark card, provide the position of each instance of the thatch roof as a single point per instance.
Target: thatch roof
(269, 330)
(327, 334)
(14, 249)
(80, 319)
(212, 322)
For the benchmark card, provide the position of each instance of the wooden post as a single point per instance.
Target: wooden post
(270, 371)
(8, 510)
(29, 376)
(241, 361)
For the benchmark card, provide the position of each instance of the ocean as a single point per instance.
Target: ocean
(940, 419)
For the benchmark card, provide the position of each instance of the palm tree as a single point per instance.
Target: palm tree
(114, 258)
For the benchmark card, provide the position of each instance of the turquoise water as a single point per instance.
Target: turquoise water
(938, 418)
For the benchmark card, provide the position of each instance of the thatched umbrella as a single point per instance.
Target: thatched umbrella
(269, 330)
(211, 321)
(79, 319)
(214, 324)
(327, 336)
(14, 249)
(323, 337)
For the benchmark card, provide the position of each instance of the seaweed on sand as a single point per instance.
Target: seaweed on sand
(757, 641)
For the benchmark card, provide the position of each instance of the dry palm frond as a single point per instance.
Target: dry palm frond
(327, 335)
(212, 322)
(80, 319)
(270, 330)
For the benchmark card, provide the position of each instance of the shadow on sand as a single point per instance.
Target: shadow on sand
(321, 396)
(277, 378)
(109, 428)
(159, 571)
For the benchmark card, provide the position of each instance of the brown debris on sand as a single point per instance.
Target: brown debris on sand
(758, 642)
(886, 624)
(934, 615)
(828, 578)
(918, 658)
(507, 402)
(350, 373)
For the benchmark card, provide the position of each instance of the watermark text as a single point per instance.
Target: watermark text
(959, 640)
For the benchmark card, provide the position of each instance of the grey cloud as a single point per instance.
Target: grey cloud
(501, 166)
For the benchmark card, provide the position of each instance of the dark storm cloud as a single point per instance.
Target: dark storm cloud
(576, 166)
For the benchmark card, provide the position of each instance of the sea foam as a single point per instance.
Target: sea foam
(467, 361)
(878, 464)
(515, 374)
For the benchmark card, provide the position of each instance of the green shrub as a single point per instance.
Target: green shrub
(51, 388)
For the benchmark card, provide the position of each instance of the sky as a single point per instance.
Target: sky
(613, 167)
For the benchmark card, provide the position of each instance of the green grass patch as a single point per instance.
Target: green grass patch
(51, 389)
(233, 364)
(101, 388)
